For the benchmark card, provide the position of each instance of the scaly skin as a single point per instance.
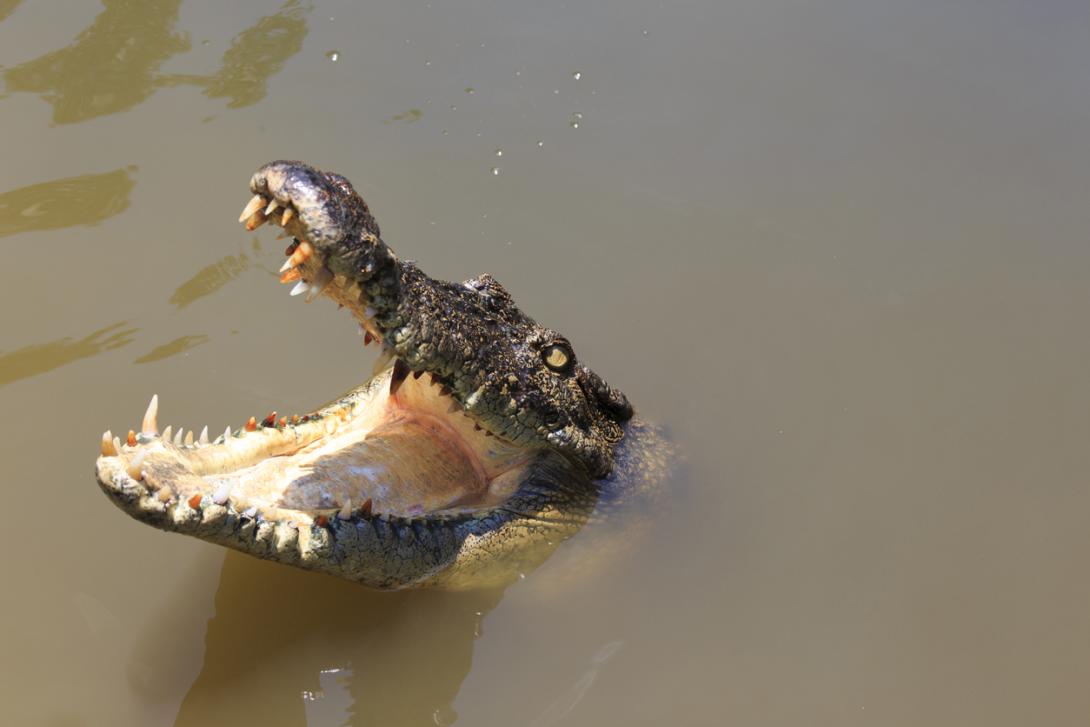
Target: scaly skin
(558, 446)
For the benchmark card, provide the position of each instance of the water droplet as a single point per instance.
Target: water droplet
(577, 75)
(541, 143)
(333, 55)
(495, 171)
(206, 42)
(499, 152)
(427, 63)
(576, 117)
(453, 108)
(470, 90)
(645, 32)
(556, 90)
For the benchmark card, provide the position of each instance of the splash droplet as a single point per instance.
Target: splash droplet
(577, 75)
(495, 171)
(499, 152)
(333, 55)
(470, 90)
(541, 144)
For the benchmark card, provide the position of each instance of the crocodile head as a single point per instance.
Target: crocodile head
(473, 450)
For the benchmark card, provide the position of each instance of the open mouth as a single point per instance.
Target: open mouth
(400, 446)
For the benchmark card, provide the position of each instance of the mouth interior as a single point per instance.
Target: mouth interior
(401, 453)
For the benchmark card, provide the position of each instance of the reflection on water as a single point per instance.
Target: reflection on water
(256, 54)
(283, 641)
(7, 7)
(82, 200)
(209, 279)
(113, 65)
(41, 357)
(172, 348)
(110, 67)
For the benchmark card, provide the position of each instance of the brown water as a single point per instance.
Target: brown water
(839, 249)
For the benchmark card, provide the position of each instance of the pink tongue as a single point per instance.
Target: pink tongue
(407, 466)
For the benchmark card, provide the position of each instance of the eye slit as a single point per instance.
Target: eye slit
(558, 357)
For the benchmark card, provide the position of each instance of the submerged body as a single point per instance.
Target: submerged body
(478, 446)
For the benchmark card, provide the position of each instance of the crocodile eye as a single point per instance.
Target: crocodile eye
(558, 357)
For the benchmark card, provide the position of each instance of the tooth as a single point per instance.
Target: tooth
(222, 493)
(360, 329)
(204, 435)
(288, 265)
(108, 444)
(150, 425)
(300, 287)
(252, 206)
(288, 214)
(166, 433)
(346, 511)
(255, 221)
(226, 434)
(178, 437)
(475, 397)
(291, 275)
(117, 444)
(189, 438)
(251, 424)
(365, 510)
(134, 466)
(131, 439)
(321, 279)
(273, 204)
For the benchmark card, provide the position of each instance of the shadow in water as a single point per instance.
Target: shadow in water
(41, 357)
(110, 66)
(114, 64)
(286, 646)
(82, 200)
(7, 7)
(172, 348)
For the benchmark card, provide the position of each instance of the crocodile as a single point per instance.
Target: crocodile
(480, 443)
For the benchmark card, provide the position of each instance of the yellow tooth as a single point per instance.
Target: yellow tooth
(134, 467)
(108, 444)
(117, 444)
(288, 214)
(273, 204)
(204, 435)
(166, 433)
(150, 425)
(252, 206)
(346, 511)
(189, 438)
(178, 437)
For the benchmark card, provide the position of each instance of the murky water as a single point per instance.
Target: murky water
(839, 249)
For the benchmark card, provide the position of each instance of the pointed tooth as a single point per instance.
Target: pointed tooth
(288, 265)
(134, 468)
(475, 397)
(365, 509)
(167, 433)
(454, 407)
(108, 444)
(273, 204)
(321, 279)
(226, 434)
(131, 438)
(401, 370)
(300, 287)
(288, 214)
(222, 493)
(204, 435)
(150, 426)
(345, 513)
(189, 438)
(117, 444)
(252, 206)
(178, 437)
